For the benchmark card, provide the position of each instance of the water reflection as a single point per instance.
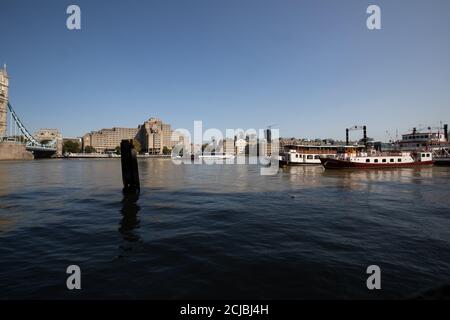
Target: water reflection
(402, 174)
(306, 175)
(222, 221)
(130, 219)
(6, 224)
(317, 176)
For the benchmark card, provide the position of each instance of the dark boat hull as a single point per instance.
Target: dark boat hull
(329, 163)
(445, 162)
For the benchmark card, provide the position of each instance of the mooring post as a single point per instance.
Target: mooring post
(130, 170)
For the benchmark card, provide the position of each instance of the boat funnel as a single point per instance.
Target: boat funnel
(365, 135)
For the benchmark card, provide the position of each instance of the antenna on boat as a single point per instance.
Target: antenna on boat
(390, 136)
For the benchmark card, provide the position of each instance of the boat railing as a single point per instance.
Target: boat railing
(387, 154)
(308, 152)
(346, 156)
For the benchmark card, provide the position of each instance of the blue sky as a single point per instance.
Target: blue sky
(310, 67)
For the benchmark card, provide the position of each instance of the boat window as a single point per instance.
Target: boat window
(310, 157)
(296, 155)
(316, 157)
(384, 160)
(367, 160)
(376, 161)
(392, 160)
(428, 155)
(399, 160)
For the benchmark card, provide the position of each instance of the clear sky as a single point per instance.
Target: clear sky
(312, 68)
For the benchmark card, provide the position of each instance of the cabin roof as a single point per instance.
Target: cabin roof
(322, 146)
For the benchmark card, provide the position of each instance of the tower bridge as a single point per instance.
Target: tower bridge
(13, 132)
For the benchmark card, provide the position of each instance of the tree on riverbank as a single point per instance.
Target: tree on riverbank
(136, 144)
(71, 147)
(166, 151)
(89, 149)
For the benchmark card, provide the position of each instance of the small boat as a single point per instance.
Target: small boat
(378, 161)
(90, 155)
(217, 156)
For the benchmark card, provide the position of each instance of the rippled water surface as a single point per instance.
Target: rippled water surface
(221, 231)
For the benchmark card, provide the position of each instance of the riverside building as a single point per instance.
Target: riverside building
(108, 139)
(154, 135)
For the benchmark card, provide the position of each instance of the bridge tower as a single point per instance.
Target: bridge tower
(4, 85)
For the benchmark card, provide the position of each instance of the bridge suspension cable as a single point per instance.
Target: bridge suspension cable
(31, 141)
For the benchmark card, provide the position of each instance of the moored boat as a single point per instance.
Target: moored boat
(217, 156)
(299, 155)
(379, 161)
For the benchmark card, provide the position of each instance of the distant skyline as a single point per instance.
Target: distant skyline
(310, 68)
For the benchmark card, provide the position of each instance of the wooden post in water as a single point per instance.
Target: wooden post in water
(130, 170)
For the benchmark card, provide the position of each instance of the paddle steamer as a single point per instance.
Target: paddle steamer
(354, 159)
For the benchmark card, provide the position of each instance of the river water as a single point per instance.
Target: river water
(221, 231)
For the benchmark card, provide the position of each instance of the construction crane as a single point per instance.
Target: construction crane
(355, 128)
